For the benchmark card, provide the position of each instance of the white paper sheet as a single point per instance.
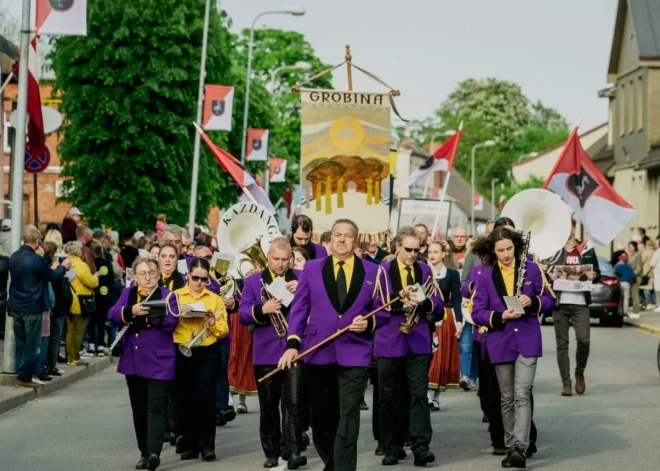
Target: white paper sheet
(278, 290)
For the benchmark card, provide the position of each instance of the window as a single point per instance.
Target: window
(640, 103)
(631, 107)
(621, 121)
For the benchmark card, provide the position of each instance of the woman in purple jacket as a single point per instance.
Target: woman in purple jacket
(147, 357)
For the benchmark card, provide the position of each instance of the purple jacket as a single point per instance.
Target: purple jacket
(390, 341)
(316, 313)
(505, 339)
(466, 292)
(148, 345)
(267, 347)
(321, 251)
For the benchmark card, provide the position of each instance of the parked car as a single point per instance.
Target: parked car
(606, 296)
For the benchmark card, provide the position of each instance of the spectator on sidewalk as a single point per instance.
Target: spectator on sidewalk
(69, 225)
(27, 300)
(626, 278)
(5, 236)
(84, 235)
(647, 273)
(63, 299)
(128, 252)
(4, 276)
(96, 326)
(54, 236)
(637, 265)
(655, 266)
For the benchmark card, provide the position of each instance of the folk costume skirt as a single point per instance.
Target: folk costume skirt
(445, 370)
(240, 369)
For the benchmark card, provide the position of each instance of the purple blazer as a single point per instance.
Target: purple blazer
(267, 347)
(466, 292)
(390, 341)
(505, 339)
(320, 251)
(148, 345)
(316, 313)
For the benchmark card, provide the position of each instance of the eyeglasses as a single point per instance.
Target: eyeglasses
(410, 250)
(204, 279)
(175, 242)
(144, 274)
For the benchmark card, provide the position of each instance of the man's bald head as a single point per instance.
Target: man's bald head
(203, 252)
(459, 237)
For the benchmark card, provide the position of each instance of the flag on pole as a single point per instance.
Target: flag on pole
(575, 178)
(478, 203)
(441, 160)
(61, 17)
(288, 197)
(36, 145)
(257, 145)
(218, 106)
(277, 170)
(501, 203)
(243, 180)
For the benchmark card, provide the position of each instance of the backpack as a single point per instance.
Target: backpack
(63, 298)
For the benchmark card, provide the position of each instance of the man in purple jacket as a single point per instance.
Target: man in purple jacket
(406, 354)
(258, 309)
(333, 293)
(301, 236)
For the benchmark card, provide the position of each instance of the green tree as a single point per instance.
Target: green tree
(129, 96)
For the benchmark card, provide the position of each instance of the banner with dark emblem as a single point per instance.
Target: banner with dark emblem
(277, 170)
(257, 145)
(61, 17)
(218, 104)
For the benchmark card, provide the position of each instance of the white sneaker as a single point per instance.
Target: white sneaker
(100, 351)
(38, 381)
(86, 354)
(464, 383)
(632, 315)
(657, 308)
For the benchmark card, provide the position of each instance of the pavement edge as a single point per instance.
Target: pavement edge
(647, 328)
(71, 377)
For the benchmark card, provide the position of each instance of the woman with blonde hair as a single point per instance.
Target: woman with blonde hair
(55, 237)
(83, 285)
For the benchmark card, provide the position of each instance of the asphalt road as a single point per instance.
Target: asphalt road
(614, 426)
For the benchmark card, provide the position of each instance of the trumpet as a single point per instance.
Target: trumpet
(412, 315)
(277, 318)
(198, 338)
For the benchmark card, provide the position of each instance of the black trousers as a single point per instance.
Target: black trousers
(375, 396)
(280, 388)
(336, 395)
(149, 404)
(196, 379)
(483, 371)
(96, 325)
(304, 400)
(391, 372)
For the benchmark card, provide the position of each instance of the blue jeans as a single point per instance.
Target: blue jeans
(648, 296)
(27, 330)
(56, 324)
(39, 367)
(465, 353)
(222, 386)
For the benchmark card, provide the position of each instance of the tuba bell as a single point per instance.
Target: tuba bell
(227, 283)
(256, 258)
(546, 216)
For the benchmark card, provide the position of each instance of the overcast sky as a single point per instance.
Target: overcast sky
(556, 50)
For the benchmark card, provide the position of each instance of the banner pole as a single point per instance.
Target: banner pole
(442, 198)
(349, 58)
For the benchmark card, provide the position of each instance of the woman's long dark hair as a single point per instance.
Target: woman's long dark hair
(484, 247)
(504, 221)
(200, 262)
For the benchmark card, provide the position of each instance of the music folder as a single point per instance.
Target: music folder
(158, 307)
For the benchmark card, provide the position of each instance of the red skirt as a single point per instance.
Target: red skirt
(445, 370)
(240, 369)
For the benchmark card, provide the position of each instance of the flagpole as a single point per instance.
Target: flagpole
(4, 85)
(442, 198)
(200, 106)
(17, 172)
(426, 184)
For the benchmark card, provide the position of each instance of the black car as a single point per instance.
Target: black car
(606, 297)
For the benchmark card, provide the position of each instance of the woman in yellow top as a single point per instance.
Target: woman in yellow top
(84, 284)
(197, 375)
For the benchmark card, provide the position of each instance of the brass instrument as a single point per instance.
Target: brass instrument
(198, 338)
(277, 318)
(227, 283)
(256, 258)
(523, 264)
(412, 315)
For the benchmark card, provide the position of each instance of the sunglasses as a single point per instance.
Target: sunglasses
(410, 250)
(204, 279)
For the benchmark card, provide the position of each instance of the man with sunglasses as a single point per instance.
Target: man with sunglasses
(402, 355)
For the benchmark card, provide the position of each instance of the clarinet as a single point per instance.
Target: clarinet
(523, 264)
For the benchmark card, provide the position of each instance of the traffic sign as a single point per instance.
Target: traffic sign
(37, 163)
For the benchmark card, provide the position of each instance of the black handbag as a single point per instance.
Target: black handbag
(87, 303)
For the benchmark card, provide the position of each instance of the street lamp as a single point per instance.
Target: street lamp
(489, 143)
(300, 65)
(294, 11)
(531, 155)
(492, 197)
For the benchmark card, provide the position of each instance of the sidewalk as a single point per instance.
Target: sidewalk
(648, 321)
(11, 396)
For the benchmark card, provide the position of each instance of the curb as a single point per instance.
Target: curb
(28, 395)
(647, 328)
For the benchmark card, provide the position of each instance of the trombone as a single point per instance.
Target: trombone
(277, 318)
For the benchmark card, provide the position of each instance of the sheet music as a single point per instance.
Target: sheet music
(182, 266)
(512, 302)
(419, 295)
(278, 290)
(223, 256)
(198, 310)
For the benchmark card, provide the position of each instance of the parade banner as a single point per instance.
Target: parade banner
(60, 17)
(345, 159)
(424, 211)
(277, 170)
(257, 145)
(218, 105)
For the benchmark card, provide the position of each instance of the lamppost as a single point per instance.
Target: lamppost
(530, 155)
(295, 11)
(488, 143)
(492, 197)
(300, 65)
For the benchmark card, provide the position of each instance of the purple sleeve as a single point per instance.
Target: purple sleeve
(249, 301)
(299, 312)
(482, 314)
(115, 314)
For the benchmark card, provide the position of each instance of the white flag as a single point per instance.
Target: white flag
(60, 17)
(277, 170)
(218, 105)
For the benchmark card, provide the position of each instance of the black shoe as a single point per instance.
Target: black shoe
(179, 445)
(407, 443)
(54, 372)
(219, 421)
(400, 453)
(363, 405)
(519, 458)
(379, 451)
(189, 455)
(296, 460)
(485, 419)
(424, 458)
(44, 377)
(506, 462)
(228, 414)
(142, 464)
(499, 451)
(168, 437)
(304, 441)
(208, 455)
(390, 460)
(153, 462)
(531, 449)
(172, 439)
(271, 463)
